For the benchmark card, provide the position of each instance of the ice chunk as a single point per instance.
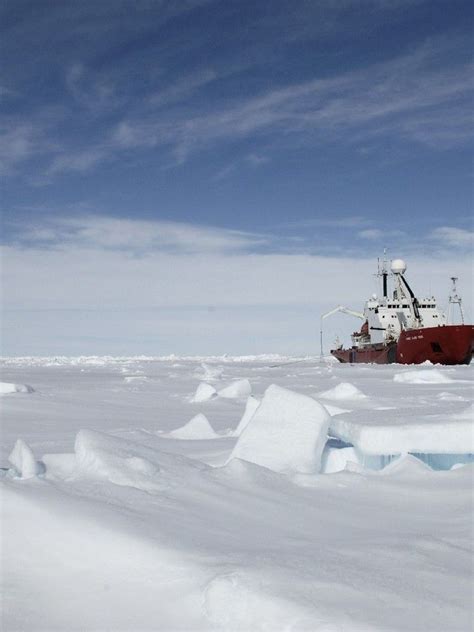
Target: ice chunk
(197, 428)
(397, 431)
(23, 460)
(336, 459)
(335, 410)
(343, 391)
(6, 388)
(422, 376)
(250, 407)
(287, 433)
(204, 393)
(239, 388)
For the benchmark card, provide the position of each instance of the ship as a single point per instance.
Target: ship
(400, 328)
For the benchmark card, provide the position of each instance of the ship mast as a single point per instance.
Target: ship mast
(382, 271)
(454, 299)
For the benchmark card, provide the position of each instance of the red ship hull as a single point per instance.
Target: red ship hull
(450, 344)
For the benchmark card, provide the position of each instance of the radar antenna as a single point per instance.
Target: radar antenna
(454, 299)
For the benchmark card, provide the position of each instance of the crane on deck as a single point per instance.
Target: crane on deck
(339, 308)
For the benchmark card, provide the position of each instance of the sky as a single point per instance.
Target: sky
(208, 177)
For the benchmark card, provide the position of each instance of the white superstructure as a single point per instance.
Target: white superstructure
(386, 317)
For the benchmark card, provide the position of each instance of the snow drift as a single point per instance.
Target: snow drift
(343, 391)
(422, 376)
(7, 388)
(119, 461)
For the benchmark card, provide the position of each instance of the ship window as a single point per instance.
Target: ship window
(436, 347)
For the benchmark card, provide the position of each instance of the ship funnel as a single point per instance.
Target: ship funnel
(398, 266)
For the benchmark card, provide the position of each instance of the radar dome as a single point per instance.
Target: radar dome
(398, 266)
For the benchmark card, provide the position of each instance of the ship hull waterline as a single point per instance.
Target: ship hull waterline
(448, 344)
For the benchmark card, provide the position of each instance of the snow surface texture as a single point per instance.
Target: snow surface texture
(287, 433)
(7, 389)
(129, 530)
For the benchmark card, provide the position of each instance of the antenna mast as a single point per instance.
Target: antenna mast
(454, 299)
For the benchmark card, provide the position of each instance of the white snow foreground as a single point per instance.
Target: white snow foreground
(145, 534)
(233, 548)
(287, 433)
(197, 428)
(6, 388)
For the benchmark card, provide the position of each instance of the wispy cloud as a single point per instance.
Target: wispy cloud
(20, 141)
(453, 237)
(415, 98)
(391, 97)
(138, 236)
(90, 92)
(377, 234)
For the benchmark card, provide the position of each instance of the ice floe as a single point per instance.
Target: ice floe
(397, 431)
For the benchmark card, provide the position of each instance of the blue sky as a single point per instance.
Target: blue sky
(232, 141)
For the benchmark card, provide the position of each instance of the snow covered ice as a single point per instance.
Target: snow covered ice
(113, 521)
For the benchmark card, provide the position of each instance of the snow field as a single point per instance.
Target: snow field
(131, 529)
